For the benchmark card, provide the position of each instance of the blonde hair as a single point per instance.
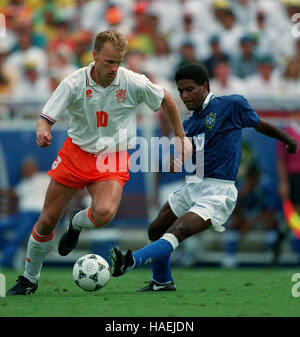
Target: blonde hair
(118, 40)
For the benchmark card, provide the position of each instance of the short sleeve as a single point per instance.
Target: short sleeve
(243, 115)
(57, 103)
(150, 93)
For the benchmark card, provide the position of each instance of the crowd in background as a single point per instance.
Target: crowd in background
(247, 46)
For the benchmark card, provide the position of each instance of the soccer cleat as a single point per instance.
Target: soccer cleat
(120, 261)
(22, 287)
(70, 238)
(154, 286)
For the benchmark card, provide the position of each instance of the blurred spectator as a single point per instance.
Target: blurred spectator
(33, 87)
(215, 56)
(244, 11)
(296, 55)
(135, 59)
(46, 19)
(82, 48)
(187, 54)
(245, 62)
(62, 38)
(26, 51)
(289, 84)
(288, 168)
(231, 32)
(26, 27)
(8, 77)
(140, 39)
(60, 61)
(223, 82)
(114, 18)
(31, 93)
(30, 193)
(283, 29)
(265, 82)
(188, 32)
(266, 37)
(162, 62)
(252, 209)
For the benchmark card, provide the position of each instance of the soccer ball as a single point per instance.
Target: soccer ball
(91, 272)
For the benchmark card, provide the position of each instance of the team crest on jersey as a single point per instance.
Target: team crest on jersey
(121, 95)
(210, 120)
(88, 93)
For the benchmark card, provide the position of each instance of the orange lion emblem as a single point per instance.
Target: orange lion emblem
(121, 95)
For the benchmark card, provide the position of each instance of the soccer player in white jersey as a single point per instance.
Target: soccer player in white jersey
(100, 101)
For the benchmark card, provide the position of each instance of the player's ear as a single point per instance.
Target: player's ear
(95, 54)
(205, 85)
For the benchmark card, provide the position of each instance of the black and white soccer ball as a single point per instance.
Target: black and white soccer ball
(91, 272)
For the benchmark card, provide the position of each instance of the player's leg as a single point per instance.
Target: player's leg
(188, 224)
(161, 223)
(106, 196)
(161, 268)
(39, 243)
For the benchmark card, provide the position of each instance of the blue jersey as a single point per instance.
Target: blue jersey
(220, 125)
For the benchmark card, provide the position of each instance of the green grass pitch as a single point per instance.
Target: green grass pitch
(201, 292)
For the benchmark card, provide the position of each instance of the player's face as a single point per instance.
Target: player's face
(107, 62)
(192, 94)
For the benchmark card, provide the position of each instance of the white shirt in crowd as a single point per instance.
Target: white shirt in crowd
(31, 192)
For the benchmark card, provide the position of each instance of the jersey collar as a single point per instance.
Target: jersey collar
(90, 82)
(208, 98)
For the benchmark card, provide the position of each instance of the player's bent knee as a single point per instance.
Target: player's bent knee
(103, 216)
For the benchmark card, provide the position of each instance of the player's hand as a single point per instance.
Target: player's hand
(43, 139)
(292, 146)
(184, 148)
(175, 164)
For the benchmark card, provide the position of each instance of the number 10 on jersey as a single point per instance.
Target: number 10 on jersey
(102, 118)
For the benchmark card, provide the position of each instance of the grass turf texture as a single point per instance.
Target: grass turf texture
(200, 292)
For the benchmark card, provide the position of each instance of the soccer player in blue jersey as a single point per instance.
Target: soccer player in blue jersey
(201, 202)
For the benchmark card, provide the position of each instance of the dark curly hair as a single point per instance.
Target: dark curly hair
(193, 71)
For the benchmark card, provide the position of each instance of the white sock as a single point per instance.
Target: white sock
(37, 249)
(83, 220)
(172, 239)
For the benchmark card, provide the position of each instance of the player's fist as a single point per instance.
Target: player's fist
(43, 138)
(174, 164)
(184, 147)
(292, 146)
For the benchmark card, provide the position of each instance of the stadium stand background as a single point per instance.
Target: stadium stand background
(247, 46)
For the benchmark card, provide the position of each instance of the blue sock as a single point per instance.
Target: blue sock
(161, 269)
(160, 249)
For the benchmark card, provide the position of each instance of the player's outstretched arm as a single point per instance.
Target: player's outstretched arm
(43, 133)
(183, 144)
(275, 132)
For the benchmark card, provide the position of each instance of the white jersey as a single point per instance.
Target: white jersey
(101, 118)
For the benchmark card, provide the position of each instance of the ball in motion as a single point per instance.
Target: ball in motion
(91, 272)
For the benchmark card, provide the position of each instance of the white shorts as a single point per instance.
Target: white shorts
(210, 198)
